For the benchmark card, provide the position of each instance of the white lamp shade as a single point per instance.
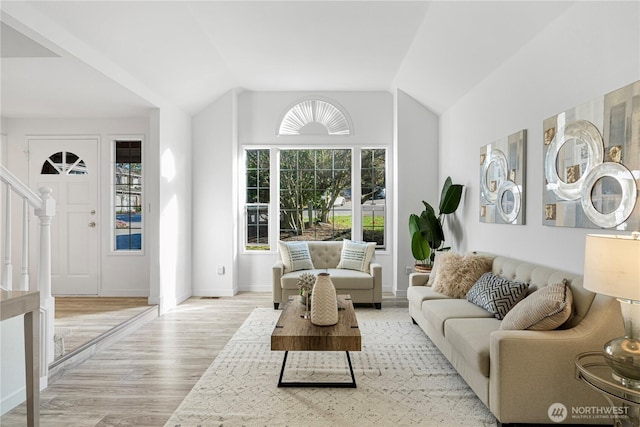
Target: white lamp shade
(612, 266)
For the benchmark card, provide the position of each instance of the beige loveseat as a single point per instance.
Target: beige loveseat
(325, 255)
(519, 374)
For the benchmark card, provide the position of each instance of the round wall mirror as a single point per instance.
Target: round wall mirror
(605, 203)
(510, 198)
(606, 195)
(574, 151)
(494, 173)
(571, 155)
(507, 202)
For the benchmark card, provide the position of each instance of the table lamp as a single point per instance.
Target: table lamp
(612, 267)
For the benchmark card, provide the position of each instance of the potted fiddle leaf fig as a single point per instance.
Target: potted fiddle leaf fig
(427, 234)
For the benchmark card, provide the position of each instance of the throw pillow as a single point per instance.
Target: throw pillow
(295, 256)
(544, 310)
(434, 269)
(496, 294)
(356, 255)
(457, 273)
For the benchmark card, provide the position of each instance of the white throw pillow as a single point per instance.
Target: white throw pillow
(295, 256)
(544, 310)
(356, 255)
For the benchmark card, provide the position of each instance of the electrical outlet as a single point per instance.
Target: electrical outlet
(408, 270)
(220, 270)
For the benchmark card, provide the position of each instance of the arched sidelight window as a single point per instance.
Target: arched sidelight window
(314, 116)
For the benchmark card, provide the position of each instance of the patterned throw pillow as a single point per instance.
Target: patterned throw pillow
(496, 294)
(356, 255)
(544, 310)
(295, 256)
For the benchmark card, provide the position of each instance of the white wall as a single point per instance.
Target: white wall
(214, 213)
(417, 175)
(12, 374)
(171, 185)
(586, 52)
(19, 131)
(259, 114)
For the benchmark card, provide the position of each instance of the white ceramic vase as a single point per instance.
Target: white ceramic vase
(324, 303)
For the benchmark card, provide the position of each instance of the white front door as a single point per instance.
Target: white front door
(70, 168)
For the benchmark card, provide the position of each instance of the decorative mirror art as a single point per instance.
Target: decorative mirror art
(592, 163)
(502, 180)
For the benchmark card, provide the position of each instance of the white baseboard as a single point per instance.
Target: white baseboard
(19, 396)
(213, 293)
(254, 288)
(12, 400)
(131, 293)
(400, 293)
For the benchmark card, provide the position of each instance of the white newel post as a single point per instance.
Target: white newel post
(7, 268)
(47, 302)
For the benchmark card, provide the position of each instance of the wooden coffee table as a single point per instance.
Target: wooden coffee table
(293, 333)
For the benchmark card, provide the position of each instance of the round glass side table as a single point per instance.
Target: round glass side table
(592, 368)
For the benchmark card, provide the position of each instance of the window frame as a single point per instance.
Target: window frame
(245, 203)
(274, 203)
(372, 207)
(112, 198)
(318, 171)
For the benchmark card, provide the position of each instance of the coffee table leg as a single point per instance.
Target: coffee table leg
(352, 384)
(353, 377)
(284, 362)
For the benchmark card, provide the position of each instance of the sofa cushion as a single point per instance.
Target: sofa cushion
(417, 294)
(341, 279)
(496, 294)
(422, 293)
(544, 310)
(438, 311)
(356, 255)
(325, 254)
(295, 256)
(470, 340)
(457, 273)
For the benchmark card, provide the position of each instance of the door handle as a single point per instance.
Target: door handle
(92, 224)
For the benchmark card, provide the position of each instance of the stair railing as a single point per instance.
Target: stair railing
(44, 207)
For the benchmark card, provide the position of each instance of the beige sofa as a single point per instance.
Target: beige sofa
(518, 375)
(325, 255)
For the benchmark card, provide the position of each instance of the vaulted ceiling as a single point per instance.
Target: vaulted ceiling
(117, 58)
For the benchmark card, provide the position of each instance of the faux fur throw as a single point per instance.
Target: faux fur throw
(457, 273)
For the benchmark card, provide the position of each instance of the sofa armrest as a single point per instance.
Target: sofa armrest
(375, 270)
(538, 367)
(277, 272)
(418, 279)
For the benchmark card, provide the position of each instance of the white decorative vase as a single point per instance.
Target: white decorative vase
(324, 303)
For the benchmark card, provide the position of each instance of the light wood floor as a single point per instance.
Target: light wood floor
(80, 319)
(141, 380)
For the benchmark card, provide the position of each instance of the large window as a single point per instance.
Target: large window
(257, 200)
(374, 195)
(312, 204)
(314, 189)
(128, 196)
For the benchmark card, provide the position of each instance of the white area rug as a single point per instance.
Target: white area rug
(402, 378)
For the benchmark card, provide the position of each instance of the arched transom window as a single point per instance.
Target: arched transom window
(314, 116)
(64, 162)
